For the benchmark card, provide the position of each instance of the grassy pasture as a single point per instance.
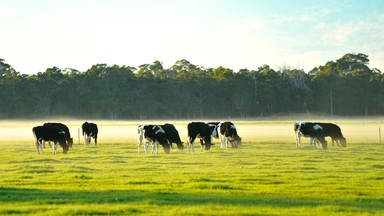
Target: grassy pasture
(266, 176)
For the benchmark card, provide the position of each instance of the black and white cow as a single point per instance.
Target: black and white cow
(89, 130)
(298, 135)
(49, 133)
(202, 131)
(227, 132)
(63, 127)
(317, 132)
(156, 135)
(172, 135)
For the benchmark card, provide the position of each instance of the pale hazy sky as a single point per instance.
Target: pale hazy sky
(39, 34)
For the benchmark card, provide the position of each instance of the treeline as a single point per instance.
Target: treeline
(345, 87)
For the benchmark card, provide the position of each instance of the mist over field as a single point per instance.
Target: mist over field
(278, 129)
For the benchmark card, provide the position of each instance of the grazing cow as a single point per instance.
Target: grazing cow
(89, 130)
(172, 135)
(64, 128)
(333, 131)
(156, 135)
(49, 133)
(227, 132)
(322, 130)
(296, 128)
(313, 130)
(202, 131)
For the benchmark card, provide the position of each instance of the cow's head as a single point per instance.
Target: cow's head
(62, 141)
(70, 142)
(236, 141)
(180, 145)
(65, 148)
(166, 148)
(208, 145)
(343, 142)
(323, 142)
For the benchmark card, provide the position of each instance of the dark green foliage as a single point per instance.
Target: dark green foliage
(345, 87)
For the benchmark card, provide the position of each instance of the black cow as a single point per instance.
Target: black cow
(156, 135)
(202, 131)
(227, 132)
(318, 131)
(89, 130)
(65, 129)
(49, 133)
(172, 135)
(333, 131)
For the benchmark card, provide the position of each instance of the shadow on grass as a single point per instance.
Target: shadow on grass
(59, 197)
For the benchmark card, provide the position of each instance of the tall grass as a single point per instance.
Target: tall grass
(266, 176)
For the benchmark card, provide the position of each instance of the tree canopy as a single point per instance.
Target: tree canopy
(345, 87)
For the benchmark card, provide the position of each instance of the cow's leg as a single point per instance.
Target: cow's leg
(54, 148)
(39, 147)
(146, 144)
(298, 142)
(95, 139)
(323, 142)
(85, 139)
(191, 144)
(138, 145)
(153, 147)
(337, 142)
(222, 141)
(202, 144)
(311, 140)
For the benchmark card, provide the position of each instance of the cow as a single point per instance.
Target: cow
(319, 130)
(296, 128)
(202, 131)
(227, 132)
(172, 135)
(333, 131)
(309, 129)
(65, 129)
(49, 133)
(156, 135)
(89, 130)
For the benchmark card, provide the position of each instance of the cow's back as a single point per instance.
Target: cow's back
(49, 133)
(195, 128)
(330, 129)
(171, 133)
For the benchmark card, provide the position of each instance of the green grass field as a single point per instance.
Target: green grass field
(266, 176)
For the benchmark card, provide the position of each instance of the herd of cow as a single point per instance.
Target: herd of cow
(166, 135)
